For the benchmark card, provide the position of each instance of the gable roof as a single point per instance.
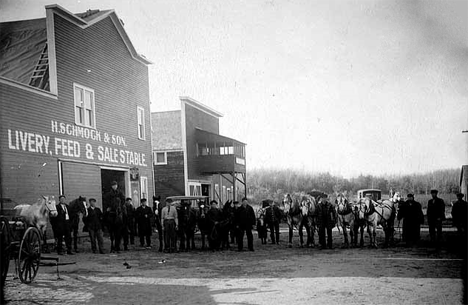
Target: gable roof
(91, 17)
(23, 42)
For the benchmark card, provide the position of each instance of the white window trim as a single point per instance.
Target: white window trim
(144, 187)
(156, 159)
(142, 118)
(93, 102)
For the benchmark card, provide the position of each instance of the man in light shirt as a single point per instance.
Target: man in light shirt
(170, 222)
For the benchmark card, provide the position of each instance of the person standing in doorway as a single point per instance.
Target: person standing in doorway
(435, 216)
(245, 220)
(144, 215)
(114, 205)
(170, 222)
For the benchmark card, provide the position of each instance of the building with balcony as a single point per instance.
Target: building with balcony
(192, 158)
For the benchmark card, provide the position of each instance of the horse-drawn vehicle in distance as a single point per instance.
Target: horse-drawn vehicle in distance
(374, 194)
(193, 201)
(22, 230)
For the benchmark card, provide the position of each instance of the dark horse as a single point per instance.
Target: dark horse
(75, 208)
(203, 222)
(226, 226)
(187, 217)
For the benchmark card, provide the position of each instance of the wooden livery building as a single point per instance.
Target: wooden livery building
(192, 158)
(75, 109)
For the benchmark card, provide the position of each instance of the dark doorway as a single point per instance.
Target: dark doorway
(205, 190)
(107, 176)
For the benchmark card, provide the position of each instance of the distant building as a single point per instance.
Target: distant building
(192, 158)
(464, 181)
(75, 109)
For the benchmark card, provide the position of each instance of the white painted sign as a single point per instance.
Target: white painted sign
(106, 151)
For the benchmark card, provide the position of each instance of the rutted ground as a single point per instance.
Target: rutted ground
(273, 274)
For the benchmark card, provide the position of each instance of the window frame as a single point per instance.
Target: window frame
(155, 156)
(141, 123)
(143, 187)
(83, 106)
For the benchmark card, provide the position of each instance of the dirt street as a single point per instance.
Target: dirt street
(273, 274)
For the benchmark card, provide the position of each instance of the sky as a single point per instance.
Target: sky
(347, 87)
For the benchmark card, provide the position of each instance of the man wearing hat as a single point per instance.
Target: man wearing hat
(326, 221)
(170, 222)
(114, 209)
(435, 216)
(459, 214)
(144, 215)
(413, 217)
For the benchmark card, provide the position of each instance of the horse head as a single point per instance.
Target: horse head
(287, 202)
(305, 205)
(342, 203)
(396, 197)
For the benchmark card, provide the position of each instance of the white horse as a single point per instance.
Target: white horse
(346, 217)
(375, 213)
(37, 214)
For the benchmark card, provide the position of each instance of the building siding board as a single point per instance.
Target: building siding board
(196, 118)
(167, 133)
(95, 57)
(169, 178)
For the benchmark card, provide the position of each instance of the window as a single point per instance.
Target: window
(84, 106)
(195, 189)
(144, 187)
(141, 123)
(160, 158)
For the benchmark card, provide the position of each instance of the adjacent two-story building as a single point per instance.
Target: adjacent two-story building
(192, 158)
(75, 108)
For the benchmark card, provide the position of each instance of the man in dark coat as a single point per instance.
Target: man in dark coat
(214, 216)
(144, 215)
(413, 218)
(272, 218)
(114, 209)
(62, 226)
(245, 219)
(326, 220)
(93, 222)
(459, 214)
(435, 216)
(128, 229)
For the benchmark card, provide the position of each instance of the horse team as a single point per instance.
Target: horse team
(304, 211)
(218, 226)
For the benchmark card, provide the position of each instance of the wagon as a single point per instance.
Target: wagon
(22, 243)
(375, 194)
(192, 200)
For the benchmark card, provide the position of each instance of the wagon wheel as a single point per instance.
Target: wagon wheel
(29, 255)
(4, 248)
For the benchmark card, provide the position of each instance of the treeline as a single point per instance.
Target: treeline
(274, 183)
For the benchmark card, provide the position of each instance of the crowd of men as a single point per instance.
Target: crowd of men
(125, 222)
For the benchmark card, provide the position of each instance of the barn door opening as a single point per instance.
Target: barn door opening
(107, 176)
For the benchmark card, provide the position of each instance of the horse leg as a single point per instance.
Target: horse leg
(361, 243)
(313, 229)
(75, 238)
(345, 235)
(290, 236)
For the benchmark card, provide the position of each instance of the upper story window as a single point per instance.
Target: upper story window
(160, 158)
(85, 113)
(141, 123)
